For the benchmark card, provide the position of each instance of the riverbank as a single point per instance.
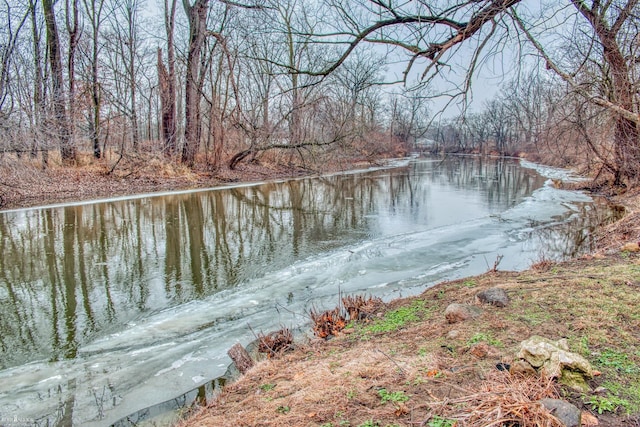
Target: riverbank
(25, 184)
(410, 366)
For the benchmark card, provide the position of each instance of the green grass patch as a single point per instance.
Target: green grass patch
(394, 396)
(437, 421)
(283, 410)
(609, 403)
(629, 393)
(583, 346)
(398, 318)
(618, 361)
(482, 337)
(267, 387)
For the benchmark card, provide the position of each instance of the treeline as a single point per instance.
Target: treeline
(533, 116)
(215, 82)
(204, 82)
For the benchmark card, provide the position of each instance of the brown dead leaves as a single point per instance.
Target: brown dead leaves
(328, 323)
(333, 322)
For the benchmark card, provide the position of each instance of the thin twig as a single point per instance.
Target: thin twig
(394, 362)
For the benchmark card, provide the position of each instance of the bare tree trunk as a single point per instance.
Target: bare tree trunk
(38, 93)
(167, 83)
(216, 117)
(61, 131)
(94, 10)
(73, 28)
(627, 134)
(295, 130)
(197, 15)
(7, 47)
(167, 106)
(626, 150)
(131, 71)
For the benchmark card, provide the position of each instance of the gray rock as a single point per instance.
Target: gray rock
(460, 312)
(552, 357)
(494, 296)
(568, 414)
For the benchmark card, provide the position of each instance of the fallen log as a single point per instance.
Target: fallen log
(241, 358)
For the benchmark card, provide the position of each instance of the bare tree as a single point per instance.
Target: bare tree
(94, 10)
(127, 61)
(74, 30)
(297, 98)
(356, 89)
(409, 115)
(167, 82)
(38, 86)
(61, 132)
(197, 17)
(7, 48)
(613, 44)
(525, 101)
(224, 100)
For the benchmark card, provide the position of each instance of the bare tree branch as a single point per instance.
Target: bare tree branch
(580, 89)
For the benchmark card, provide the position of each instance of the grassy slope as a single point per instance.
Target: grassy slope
(409, 367)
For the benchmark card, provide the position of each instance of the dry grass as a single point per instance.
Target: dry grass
(615, 235)
(430, 370)
(504, 400)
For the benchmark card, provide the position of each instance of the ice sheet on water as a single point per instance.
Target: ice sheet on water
(552, 172)
(544, 204)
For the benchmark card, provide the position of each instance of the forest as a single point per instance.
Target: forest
(210, 84)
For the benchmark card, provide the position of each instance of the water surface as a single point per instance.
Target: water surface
(107, 308)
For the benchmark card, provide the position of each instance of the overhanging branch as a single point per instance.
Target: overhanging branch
(434, 51)
(579, 89)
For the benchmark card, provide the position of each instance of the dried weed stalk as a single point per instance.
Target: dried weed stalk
(360, 308)
(354, 307)
(275, 342)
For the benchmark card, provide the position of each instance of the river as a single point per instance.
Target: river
(110, 307)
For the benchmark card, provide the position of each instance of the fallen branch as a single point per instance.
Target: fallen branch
(238, 157)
